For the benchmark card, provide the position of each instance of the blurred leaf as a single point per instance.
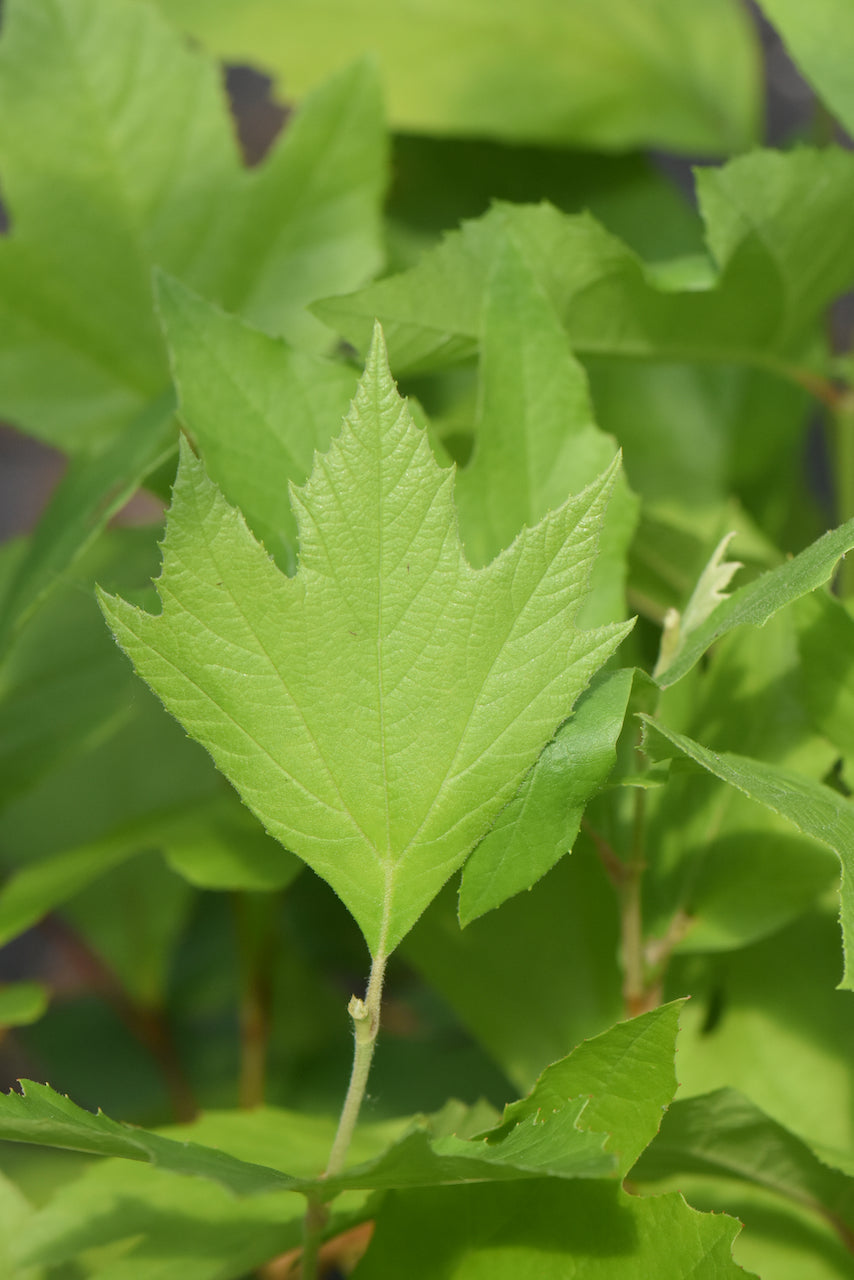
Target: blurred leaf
(820, 41)
(812, 808)
(535, 438)
(256, 409)
(94, 488)
(58, 700)
(758, 308)
(540, 823)
(724, 1134)
(222, 846)
(15, 1216)
(22, 1003)
(734, 867)
(826, 647)
(770, 1003)
(547, 1231)
(551, 74)
(118, 155)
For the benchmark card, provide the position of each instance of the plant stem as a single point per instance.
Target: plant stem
(635, 995)
(254, 917)
(366, 1023)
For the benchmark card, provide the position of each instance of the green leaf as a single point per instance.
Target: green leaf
(821, 42)
(287, 404)
(535, 437)
(628, 1071)
(814, 809)
(547, 1231)
(730, 865)
(540, 823)
(555, 1145)
(548, 75)
(316, 695)
(770, 1003)
(725, 1135)
(22, 1003)
(118, 155)
(58, 700)
(758, 308)
(753, 604)
(826, 643)
(16, 1214)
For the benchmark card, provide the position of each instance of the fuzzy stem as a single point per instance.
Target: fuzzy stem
(366, 1023)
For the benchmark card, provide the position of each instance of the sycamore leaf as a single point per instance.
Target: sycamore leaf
(118, 154)
(546, 73)
(769, 279)
(814, 809)
(379, 709)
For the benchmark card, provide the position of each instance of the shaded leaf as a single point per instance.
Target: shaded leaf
(547, 1231)
(725, 1135)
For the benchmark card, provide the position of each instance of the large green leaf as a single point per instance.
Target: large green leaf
(753, 303)
(814, 809)
(821, 42)
(117, 155)
(255, 408)
(552, 73)
(547, 1231)
(317, 695)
